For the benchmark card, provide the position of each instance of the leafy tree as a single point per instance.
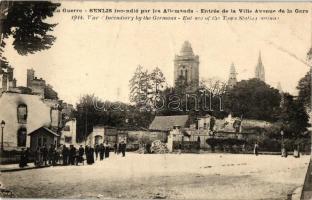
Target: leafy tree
(253, 99)
(304, 87)
(293, 117)
(157, 83)
(25, 22)
(139, 88)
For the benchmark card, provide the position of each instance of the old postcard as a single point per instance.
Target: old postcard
(155, 100)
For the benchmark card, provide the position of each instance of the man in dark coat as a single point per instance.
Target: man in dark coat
(91, 155)
(22, 162)
(65, 154)
(81, 152)
(96, 150)
(107, 149)
(115, 148)
(72, 154)
(122, 147)
(101, 149)
(51, 154)
(44, 151)
(87, 151)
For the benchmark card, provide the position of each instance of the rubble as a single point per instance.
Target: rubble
(159, 147)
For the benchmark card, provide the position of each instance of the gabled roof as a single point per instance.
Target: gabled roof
(166, 123)
(45, 129)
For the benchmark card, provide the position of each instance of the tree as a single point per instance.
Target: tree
(25, 22)
(139, 88)
(304, 87)
(293, 117)
(157, 82)
(213, 86)
(253, 99)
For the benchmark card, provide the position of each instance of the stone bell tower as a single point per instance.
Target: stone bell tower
(186, 68)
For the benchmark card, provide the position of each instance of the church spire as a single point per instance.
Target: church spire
(259, 71)
(232, 77)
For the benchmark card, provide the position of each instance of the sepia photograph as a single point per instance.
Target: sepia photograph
(155, 100)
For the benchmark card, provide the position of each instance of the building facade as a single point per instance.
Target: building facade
(186, 68)
(24, 114)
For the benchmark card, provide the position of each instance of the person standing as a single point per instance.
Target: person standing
(65, 154)
(71, 155)
(256, 149)
(37, 156)
(122, 147)
(115, 148)
(87, 151)
(50, 154)
(81, 152)
(22, 158)
(96, 150)
(101, 150)
(91, 155)
(44, 151)
(27, 156)
(106, 149)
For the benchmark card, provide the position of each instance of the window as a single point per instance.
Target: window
(68, 139)
(21, 137)
(67, 128)
(22, 113)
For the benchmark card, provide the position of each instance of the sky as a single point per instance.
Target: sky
(101, 56)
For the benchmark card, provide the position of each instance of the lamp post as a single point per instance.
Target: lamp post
(2, 127)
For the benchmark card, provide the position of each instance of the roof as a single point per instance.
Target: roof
(166, 123)
(45, 129)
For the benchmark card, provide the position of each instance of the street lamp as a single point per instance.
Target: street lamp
(2, 127)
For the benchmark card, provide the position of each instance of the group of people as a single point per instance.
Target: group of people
(44, 156)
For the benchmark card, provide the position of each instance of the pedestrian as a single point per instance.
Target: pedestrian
(96, 150)
(122, 147)
(91, 151)
(115, 147)
(72, 154)
(44, 151)
(87, 151)
(101, 150)
(81, 152)
(64, 154)
(50, 154)
(106, 149)
(55, 156)
(256, 149)
(37, 157)
(22, 159)
(179, 148)
(27, 152)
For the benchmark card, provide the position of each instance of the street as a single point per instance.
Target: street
(170, 176)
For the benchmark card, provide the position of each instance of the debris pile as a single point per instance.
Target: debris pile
(159, 147)
(141, 150)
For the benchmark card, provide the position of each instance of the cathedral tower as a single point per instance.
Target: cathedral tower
(186, 68)
(259, 72)
(232, 78)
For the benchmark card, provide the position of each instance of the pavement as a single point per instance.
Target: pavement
(15, 167)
